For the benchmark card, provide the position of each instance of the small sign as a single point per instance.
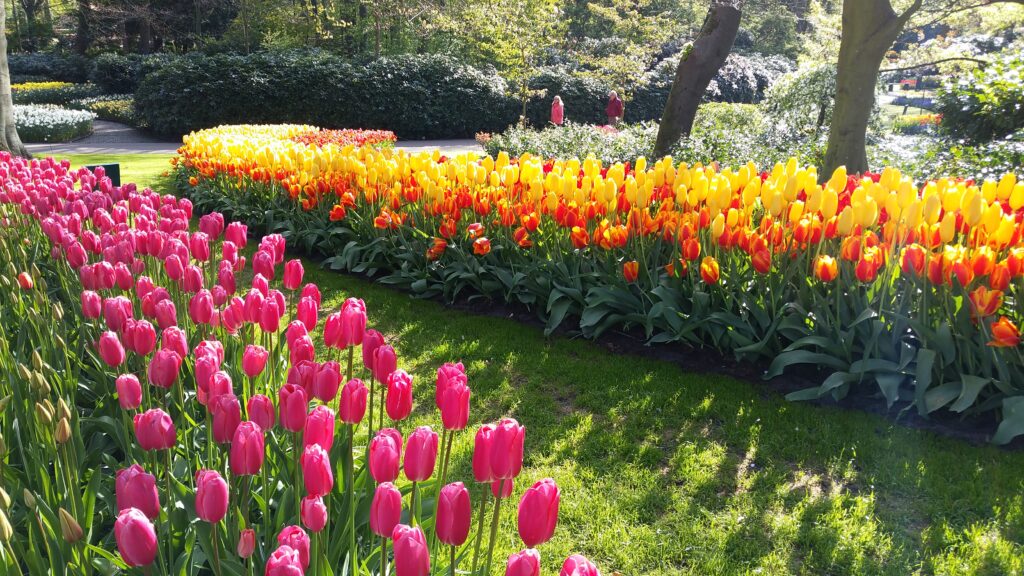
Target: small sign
(112, 171)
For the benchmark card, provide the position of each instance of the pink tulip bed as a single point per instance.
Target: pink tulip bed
(176, 401)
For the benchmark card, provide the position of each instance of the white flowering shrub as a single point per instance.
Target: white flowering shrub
(46, 123)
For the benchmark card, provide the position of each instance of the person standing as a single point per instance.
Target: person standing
(614, 108)
(557, 111)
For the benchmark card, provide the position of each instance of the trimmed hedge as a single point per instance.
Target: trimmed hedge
(413, 96)
(122, 73)
(65, 68)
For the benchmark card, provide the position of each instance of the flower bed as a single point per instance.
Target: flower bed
(111, 286)
(112, 107)
(376, 138)
(45, 123)
(51, 92)
(910, 290)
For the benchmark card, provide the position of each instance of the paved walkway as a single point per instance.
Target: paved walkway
(114, 138)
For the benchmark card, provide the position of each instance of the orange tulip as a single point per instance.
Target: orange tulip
(1004, 334)
(963, 273)
(999, 279)
(630, 270)
(826, 268)
(983, 261)
(481, 246)
(985, 302)
(913, 261)
(762, 261)
(530, 221)
(337, 213)
(709, 270)
(579, 237)
(691, 249)
(475, 230)
(435, 251)
(522, 237)
(1015, 261)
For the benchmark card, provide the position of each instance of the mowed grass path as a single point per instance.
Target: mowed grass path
(667, 472)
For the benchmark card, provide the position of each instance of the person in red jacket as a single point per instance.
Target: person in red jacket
(557, 111)
(614, 108)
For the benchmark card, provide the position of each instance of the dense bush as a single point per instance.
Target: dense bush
(65, 68)
(51, 92)
(584, 98)
(986, 104)
(121, 73)
(112, 107)
(414, 96)
(46, 123)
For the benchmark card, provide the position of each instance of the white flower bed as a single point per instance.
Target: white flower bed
(47, 123)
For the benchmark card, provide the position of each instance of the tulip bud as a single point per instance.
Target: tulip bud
(420, 454)
(69, 528)
(45, 416)
(136, 537)
(525, 563)
(453, 514)
(37, 360)
(313, 513)
(29, 498)
(6, 531)
(5, 499)
(6, 400)
(246, 543)
(577, 565)
(63, 432)
(297, 539)
(538, 512)
(412, 556)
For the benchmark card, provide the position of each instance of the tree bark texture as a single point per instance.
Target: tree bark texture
(9, 140)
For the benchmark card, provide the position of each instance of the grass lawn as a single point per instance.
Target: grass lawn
(666, 472)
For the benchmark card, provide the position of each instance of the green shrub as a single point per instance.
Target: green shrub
(112, 107)
(51, 92)
(121, 73)
(48, 123)
(584, 98)
(986, 104)
(414, 96)
(49, 66)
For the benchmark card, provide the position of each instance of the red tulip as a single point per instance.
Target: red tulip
(136, 537)
(92, 304)
(254, 360)
(412, 557)
(482, 447)
(129, 391)
(111, 351)
(525, 563)
(211, 496)
(25, 281)
(353, 401)
(577, 565)
(399, 398)
(538, 512)
(260, 410)
(454, 514)
(313, 511)
(326, 382)
(247, 449)
(227, 415)
(154, 430)
(319, 428)
(385, 510)
(502, 488)
(455, 406)
(293, 274)
(420, 454)
(296, 538)
(507, 449)
(246, 543)
(316, 470)
(285, 561)
(292, 405)
(385, 361)
(385, 454)
(135, 488)
(371, 341)
(164, 368)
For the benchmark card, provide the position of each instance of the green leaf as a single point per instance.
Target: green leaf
(803, 357)
(941, 395)
(1013, 420)
(972, 385)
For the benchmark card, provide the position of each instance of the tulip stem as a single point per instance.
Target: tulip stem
(494, 526)
(170, 534)
(297, 448)
(350, 492)
(384, 556)
(415, 509)
(216, 553)
(480, 527)
(451, 566)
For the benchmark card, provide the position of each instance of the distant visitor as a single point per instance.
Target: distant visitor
(557, 111)
(614, 108)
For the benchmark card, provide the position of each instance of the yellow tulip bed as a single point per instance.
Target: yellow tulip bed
(909, 290)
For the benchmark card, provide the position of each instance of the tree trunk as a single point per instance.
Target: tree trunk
(9, 140)
(83, 36)
(697, 67)
(869, 29)
(145, 36)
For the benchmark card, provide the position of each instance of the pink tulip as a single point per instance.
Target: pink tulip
(294, 331)
(577, 565)
(319, 428)
(211, 496)
(166, 314)
(502, 488)
(200, 307)
(507, 449)
(398, 402)
(385, 455)
(296, 538)
(371, 341)
(316, 470)
(453, 514)
(482, 446)
(173, 338)
(454, 406)
(220, 384)
(353, 323)
(92, 304)
(227, 415)
(328, 378)
(247, 449)
(538, 512)
(199, 246)
(174, 267)
(111, 351)
(385, 510)
(263, 263)
(116, 311)
(154, 430)
(412, 557)
(246, 543)
(285, 561)
(301, 350)
(332, 329)
(448, 375)
(143, 337)
(313, 513)
(293, 274)
(210, 348)
(135, 488)
(292, 406)
(193, 281)
(129, 391)
(270, 316)
(307, 311)
(260, 410)
(353, 401)
(236, 232)
(304, 376)
(253, 306)
(420, 454)
(312, 291)
(254, 360)
(385, 361)
(212, 225)
(164, 368)
(525, 563)
(136, 537)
